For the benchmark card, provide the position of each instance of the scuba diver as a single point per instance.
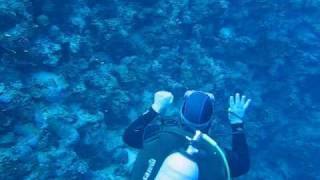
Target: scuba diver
(183, 150)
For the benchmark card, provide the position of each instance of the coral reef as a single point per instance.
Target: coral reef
(75, 73)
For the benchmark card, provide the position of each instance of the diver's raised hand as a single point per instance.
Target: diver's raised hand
(162, 99)
(237, 108)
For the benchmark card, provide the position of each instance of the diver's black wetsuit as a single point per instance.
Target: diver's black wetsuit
(238, 157)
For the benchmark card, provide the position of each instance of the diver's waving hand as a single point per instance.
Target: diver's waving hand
(237, 108)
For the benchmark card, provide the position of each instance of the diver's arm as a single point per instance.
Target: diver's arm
(238, 157)
(133, 135)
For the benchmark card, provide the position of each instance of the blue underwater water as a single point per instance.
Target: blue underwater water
(75, 73)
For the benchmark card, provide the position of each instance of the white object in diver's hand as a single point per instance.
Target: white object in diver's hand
(162, 99)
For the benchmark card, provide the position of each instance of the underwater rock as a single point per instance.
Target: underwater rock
(101, 80)
(57, 120)
(66, 164)
(5, 95)
(226, 33)
(9, 19)
(12, 166)
(86, 119)
(43, 20)
(68, 136)
(48, 85)
(49, 51)
(120, 156)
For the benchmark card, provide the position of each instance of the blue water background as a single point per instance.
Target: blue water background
(75, 73)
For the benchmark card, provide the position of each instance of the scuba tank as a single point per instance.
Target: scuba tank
(178, 166)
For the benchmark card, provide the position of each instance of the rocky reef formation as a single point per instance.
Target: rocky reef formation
(75, 73)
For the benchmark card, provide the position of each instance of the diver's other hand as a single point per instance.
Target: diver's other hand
(237, 108)
(162, 99)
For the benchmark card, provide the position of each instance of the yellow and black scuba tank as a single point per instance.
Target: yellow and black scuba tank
(171, 155)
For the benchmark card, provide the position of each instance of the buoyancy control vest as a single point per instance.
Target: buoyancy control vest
(170, 144)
